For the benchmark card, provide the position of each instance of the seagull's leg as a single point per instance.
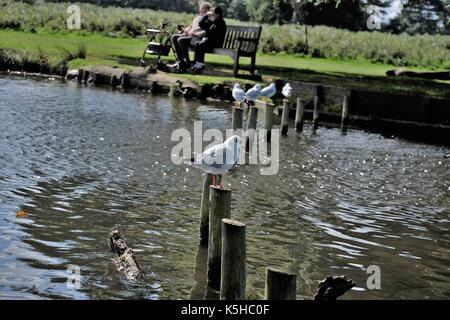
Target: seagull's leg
(221, 181)
(214, 180)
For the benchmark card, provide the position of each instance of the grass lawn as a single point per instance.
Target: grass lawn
(126, 52)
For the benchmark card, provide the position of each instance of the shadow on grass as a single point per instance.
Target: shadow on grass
(404, 85)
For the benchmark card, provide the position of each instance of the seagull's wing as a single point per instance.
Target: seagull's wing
(219, 157)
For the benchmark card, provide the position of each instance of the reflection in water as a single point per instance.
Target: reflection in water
(82, 161)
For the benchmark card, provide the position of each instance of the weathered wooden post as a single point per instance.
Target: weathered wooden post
(280, 285)
(316, 108)
(204, 210)
(237, 118)
(251, 125)
(345, 112)
(232, 284)
(220, 207)
(299, 115)
(285, 117)
(269, 119)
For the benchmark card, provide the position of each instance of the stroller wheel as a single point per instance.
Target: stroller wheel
(143, 64)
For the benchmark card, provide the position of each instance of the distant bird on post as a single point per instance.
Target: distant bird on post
(287, 91)
(238, 93)
(269, 91)
(252, 94)
(219, 159)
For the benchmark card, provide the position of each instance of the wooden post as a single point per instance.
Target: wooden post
(285, 118)
(269, 119)
(345, 111)
(204, 210)
(299, 115)
(220, 208)
(316, 109)
(280, 285)
(232, 284)
(238, 118)
(251, 124)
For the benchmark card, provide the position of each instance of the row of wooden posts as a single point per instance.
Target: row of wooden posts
(269, 116)
(224, 237)
(226, 241)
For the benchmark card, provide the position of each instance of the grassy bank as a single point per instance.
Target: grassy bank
(126, 52)
(324, 42)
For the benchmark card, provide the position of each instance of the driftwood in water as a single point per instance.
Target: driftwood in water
(125, 262)
(440, 75)
(333, 287)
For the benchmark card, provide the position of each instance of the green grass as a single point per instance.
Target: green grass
(126, 53)
(426, 51)
(110, 51)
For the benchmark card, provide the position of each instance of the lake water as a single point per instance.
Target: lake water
(82, 161)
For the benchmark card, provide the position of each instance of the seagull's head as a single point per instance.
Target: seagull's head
(258, 86)
(237, 86)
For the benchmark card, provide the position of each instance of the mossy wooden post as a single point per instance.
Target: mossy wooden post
(299, 115)
(285, 118)
(269, 119)
(316, 108)
(237, 119)
(280, 285)
(251, 125)
(204, 210)
(232, 284)
(220, 207)
(345, 112)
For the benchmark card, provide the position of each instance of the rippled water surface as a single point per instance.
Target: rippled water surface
(81, 161)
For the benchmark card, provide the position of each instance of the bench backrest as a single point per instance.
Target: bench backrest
(236, 32)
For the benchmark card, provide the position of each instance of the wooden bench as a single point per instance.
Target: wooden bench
(240, 41)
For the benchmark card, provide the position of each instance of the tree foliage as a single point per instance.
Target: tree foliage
(417, 16)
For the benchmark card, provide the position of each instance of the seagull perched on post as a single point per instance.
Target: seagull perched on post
(252, 94)
(269, 91)
(287, 90)
(219, 159)
(238, 93)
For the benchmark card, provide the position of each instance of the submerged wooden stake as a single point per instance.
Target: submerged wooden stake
(125, 262)
(285, 118)
(220, 208)
(238, 118)
(345, 112)
(299, 115)
(316, 108)
(269, 119)
(280, 285)
(232, 285)
(251, 125)
(204, 210)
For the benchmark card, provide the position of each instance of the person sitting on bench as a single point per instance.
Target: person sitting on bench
(190, 37)
(215, 28)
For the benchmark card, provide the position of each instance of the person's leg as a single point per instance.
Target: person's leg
(184, 43)
(176, 47)
(200, 51)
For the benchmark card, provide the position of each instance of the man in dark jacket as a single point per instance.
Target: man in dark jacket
(215, 28)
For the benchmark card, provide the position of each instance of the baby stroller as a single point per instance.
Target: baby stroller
(162, 47)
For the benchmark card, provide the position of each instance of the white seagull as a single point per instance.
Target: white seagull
(287, 90)
(253, 93)
(219, 159)
(269, 91)
(238, 93)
